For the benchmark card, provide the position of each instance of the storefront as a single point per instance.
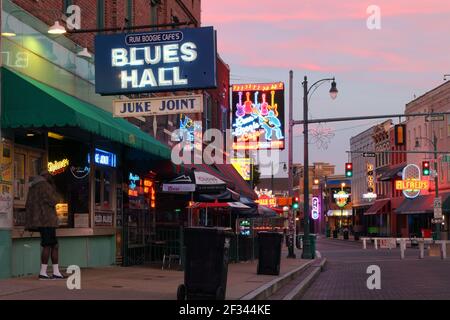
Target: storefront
(85, 149)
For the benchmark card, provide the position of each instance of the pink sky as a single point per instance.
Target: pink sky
(378, 71)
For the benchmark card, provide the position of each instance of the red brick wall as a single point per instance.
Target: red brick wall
(115, 13)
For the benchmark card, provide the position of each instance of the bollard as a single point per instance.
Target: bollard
(443, 250)
(402, 249)
(421, 249)
(376, 244)
(364, 243)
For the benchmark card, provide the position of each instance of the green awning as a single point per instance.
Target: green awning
(29, 103)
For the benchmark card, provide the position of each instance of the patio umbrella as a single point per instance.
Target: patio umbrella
(217, 204)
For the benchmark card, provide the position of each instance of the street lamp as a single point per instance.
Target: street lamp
(307, 254)
(436, 182)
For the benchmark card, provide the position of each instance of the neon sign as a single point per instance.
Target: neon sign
(104, 158)
(133, 179)
(341, 198)
(258, 118)
(157, 61)
(411, 183)
(315, 211)
(57, 167)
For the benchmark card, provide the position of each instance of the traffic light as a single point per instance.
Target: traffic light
(400, 132)
(426, 168)
(295, 203)
(349, 170)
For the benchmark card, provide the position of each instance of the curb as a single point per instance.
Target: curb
(300, 289)
(273, 286)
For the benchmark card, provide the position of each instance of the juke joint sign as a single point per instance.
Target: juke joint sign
(183, 59)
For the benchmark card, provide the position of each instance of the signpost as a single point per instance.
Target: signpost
(437, 208)
(369, 154)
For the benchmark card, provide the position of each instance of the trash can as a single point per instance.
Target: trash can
(434, 235)
(335, 234)
(328, 233)
(356, 235)
(345, 235)
(206, 263)
(312, 243)
(269, 244)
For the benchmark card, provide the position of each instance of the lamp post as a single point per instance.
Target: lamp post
(436, 182)
(307, 254)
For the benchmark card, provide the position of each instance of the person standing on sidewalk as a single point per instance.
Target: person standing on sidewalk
(41, 216)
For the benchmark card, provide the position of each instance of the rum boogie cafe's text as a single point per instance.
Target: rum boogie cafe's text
(183, 59)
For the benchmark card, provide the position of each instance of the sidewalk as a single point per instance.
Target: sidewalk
(137, 283)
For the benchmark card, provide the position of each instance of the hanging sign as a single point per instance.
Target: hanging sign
(158, 106)
(183, 59)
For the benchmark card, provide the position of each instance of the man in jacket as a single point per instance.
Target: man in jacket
(41, 216)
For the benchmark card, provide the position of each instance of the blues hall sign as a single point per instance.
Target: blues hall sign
(183, 59)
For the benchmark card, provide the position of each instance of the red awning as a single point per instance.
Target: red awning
(241, 186)
(377, 207)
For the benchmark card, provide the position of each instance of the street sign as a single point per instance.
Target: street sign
(434, 118)
(369, 154)
(437, 202)
(437, 208)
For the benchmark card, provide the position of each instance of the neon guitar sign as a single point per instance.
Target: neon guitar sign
(256, 124)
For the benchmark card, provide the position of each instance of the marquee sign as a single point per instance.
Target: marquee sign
(158, 106)
(258, 116)
(174, 60)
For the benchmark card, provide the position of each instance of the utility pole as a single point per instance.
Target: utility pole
(436, 182)
(292, 223)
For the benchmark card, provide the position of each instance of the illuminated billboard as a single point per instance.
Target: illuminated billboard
(258, 116)
(243, 166)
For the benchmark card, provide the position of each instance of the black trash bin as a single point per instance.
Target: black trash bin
(206, 263)
(335, 234)
(269, 244)
(345, 235)
(356, 235)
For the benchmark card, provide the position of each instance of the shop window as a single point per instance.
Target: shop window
(27, 165)
(67, 162)
(103, 189)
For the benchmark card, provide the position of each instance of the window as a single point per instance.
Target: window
(129, 13)
(100, 14)
(66, 4)
(207, 113)
(103, 189)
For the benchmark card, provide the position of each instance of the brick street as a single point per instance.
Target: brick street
(344, 276)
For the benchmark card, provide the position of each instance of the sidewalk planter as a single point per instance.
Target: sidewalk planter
(206, 264)
(269, 252)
